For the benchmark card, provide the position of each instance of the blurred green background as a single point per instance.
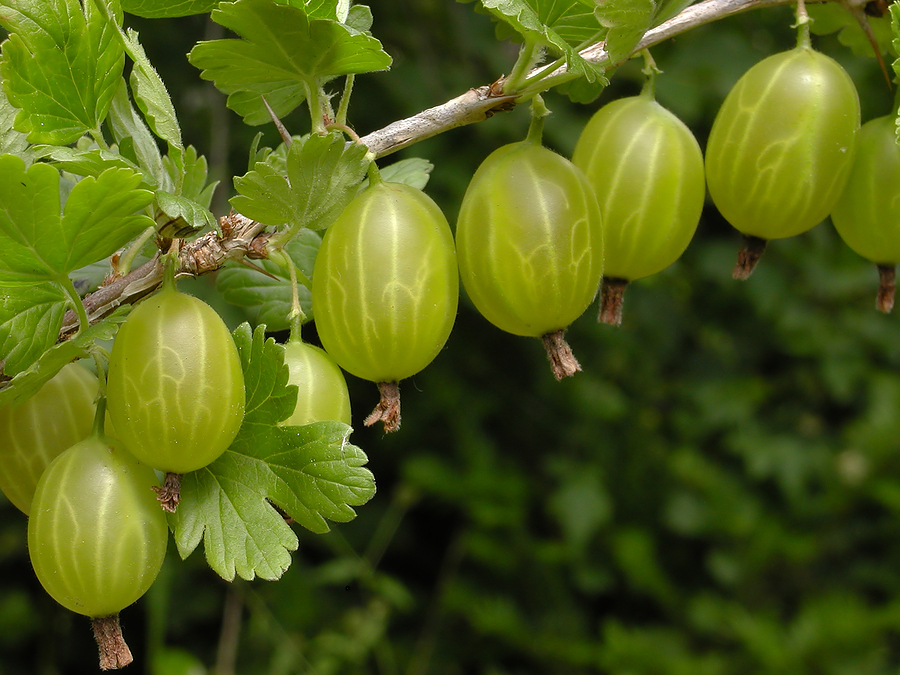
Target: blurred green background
(718, 493)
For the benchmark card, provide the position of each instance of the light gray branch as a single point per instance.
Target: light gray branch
(478, 104)
(245, 238)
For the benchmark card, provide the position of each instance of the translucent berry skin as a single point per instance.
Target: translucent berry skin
(175, 388)
(782, 144)
(96, 535)
(529, 240)
(34, 432)
(322, 390)
(867, 216)
(646, 169)
(385, 284)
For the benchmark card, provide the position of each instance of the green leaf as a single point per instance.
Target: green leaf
(151, 94)
(322, 175)
(311, 473)
(30, 319)
(126, 124)
(161, 9)
(413, 171)
(194, 185)
(561, 26)
(627, 21)
(283, 54)
(27, 382)
(61, 65)
(666, 9)
(82, 162)
(37, 245)
(12, 142)
(271, 297)
(831, 18)
(181, 217)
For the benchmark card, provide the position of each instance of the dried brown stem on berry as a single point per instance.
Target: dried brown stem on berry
(612, 295)
(748, 256)
(887, 287)
(114, 653)
(169, 494)
(388, 408)
(562, 360)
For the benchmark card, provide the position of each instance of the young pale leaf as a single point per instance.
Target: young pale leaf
(12, 142)
(627, 21)
(151, 94)
(559, 26)
(194, 168)
(126, 124)
(61, 65)
(666, 9)
(311, 473)
(322, 175)
(413, 171)
(82, 162)
(283, 53)
(271, 297)
(181, 217)
(828, 19)
(164, 9)
(27, 382)
(37, 245)
(30, 319)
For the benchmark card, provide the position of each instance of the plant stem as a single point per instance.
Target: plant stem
(344, 104)
(125, 260)
(524, 63)
(296, 316)
(75, 299)
(803, 39)
(539, 111)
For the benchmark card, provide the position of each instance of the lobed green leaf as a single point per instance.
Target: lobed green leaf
(322, 175)
(828, 18)
(311, 473)
(561, 26)
(12, 142)
(283, 54)
(136, 141)
(61, 65)
(37, 245)
(30, 319)
(627, 21)
(27, 382)
(162, 9)
(181, 217)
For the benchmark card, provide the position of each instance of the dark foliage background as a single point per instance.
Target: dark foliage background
(718, 493)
